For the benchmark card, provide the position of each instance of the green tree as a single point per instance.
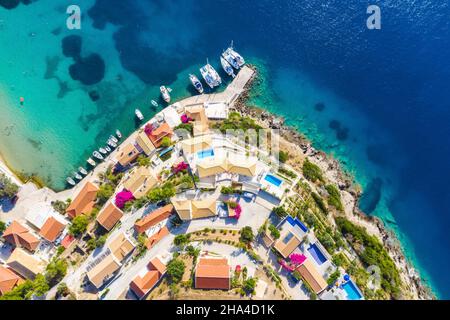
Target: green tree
(247, 235)
(175, 270)
(274, 232)
(105, 192)
(2, 227)
(60, 206)
(283, 156)
(280, 211)
(40, 286)
(334, 198)
(161, 193)
(8, 189)
(79, 225)
(181, 240)
(56, 270)
(166, 142)
(333, 277)
(143, 160)
(249, 285)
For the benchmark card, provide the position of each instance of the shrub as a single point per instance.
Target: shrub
(334, 198)
(249, 285)
(105, 192)
(175, 270)
(166, 142)
(311, 171)
(181, 240)
(8, 189)
(333, 277)
(2, 227)
(143, 160)
(161, 193)
(319, 202)
(247, 235)
(60, 206)
(274, 232)
(283, 156)
(280, 211)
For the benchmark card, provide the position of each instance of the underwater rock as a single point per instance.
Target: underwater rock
(89, 70)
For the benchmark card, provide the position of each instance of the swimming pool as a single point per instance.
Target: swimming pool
(352, 291)
(317, 254)
(205, 153)
(273, 180)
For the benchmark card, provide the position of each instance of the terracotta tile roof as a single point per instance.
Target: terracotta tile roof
(19, 236)
(212, 273)
(310, 274)
(153, 218)
(103, 271)
(127, 154)
(109, 216)
(140, 181)
(121, 247)
(159, 133)
(8, 280)
(25, 264)
(142, 284)
(68, 239)
(84, 201)
(154, 239)
(144, 143)
(51, 229)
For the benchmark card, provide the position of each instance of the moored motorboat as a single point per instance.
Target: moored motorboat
(70, 181)
(91, 162)
(102, 150)
(112, 143)
(77, 176)
(154, 103)
(107, 148)
(112, 138)
(118, 134)
(165, 94)
(227, 67)
(196, 83)
(82, 171)
(139, 114)
(97, 155)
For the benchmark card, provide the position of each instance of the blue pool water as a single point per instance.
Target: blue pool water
(273, 180)
(317, 254)
(205, 153)
(297, 222)
(351, 290)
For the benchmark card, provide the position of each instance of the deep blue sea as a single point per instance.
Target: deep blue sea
(375, 99)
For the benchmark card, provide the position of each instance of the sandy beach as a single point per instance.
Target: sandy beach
(8, 172)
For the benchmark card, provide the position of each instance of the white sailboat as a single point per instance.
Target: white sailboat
(196, 83)
(227, 67)
(210, 75)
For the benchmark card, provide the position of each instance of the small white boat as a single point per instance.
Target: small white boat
(107, 148)
(227, 67)
(82, 171)
(118, 134)
(113, 139)
(91, 162)
(112, 144)
(70, 181)
(139, 114)
(210, 75)
(102, 150)
(196, 83)
(97, 155)
(169, 89)
(154, 103)
(165, 94)
(77, 176)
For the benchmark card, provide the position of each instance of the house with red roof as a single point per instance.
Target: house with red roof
(146, 280)
(21, 237)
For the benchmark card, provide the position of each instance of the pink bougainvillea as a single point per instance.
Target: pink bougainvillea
(297, 259)
(182, 166)
(285, 266)
(123, 197)
(148, 129)
(237, 211)
(185, 118)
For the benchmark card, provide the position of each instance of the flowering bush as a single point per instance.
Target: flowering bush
(297, 259)
(182, 166)
(148, 129)
(123, 197)
(285, 266)
(237, 211)
(185, 118)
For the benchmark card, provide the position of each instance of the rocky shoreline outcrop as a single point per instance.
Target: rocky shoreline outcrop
(414, 287)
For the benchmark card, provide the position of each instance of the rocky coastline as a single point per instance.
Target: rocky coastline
(298, 145)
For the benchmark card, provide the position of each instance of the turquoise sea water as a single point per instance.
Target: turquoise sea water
(376, 101)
